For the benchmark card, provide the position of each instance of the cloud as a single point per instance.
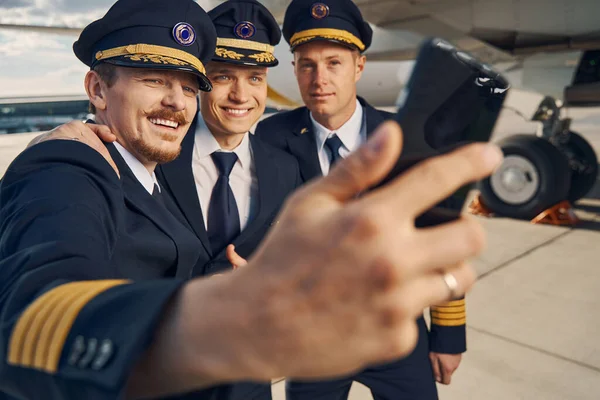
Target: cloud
(65, 80)
(33, 64)
(16, 3)
(14, 43)
(53, 12)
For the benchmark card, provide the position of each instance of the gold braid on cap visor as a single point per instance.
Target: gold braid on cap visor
(326, 33)
(153, 53)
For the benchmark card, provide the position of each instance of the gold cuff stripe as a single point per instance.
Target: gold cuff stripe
(50, 326)
(54, 304)
(39, 335)
(152, 49)
(326, 33)
(448, 316)
(448, 309)
(245, 44)
(454, 303)
(449, 322)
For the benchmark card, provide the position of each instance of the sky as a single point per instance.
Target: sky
(38, 63)
(33, 64)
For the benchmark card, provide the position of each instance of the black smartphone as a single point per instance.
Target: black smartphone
(450, 100)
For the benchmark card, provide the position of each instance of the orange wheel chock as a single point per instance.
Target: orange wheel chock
(559, 214)
(478, 208)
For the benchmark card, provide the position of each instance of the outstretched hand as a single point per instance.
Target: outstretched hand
(338, 283)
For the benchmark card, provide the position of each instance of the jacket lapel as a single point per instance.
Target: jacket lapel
(374, 117)
(178, 177)
(268, 192)
(138, 198)
(303, 146)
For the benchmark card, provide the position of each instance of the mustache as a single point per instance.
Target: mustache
(164, 113)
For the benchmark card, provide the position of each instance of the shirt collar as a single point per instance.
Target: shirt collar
(206, 144)
(141, 173)
(349, 133)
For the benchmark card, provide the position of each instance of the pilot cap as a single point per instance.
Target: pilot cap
(247, 33)
(338, 21)
(156, 34)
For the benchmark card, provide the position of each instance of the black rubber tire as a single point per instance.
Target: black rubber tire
(583, 163)
(553, 172)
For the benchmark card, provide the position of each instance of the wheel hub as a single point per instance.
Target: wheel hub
(516, 181)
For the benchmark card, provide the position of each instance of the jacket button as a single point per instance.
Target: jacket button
(90, 353)
(77, 350)
(105, 353)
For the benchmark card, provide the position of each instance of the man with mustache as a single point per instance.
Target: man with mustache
(146, 95)
(328, 39)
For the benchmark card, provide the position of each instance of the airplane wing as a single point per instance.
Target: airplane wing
(493, 31)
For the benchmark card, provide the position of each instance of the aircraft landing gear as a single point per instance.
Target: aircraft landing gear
(541, 176)
(582, 162)
(533, 177)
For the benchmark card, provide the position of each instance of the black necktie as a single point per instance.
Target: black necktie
(223, 216)
(158, 195)
(333, 144)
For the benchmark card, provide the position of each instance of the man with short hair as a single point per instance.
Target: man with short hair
(328, 39)
(89, 258)
(240, 208)
(226, 182)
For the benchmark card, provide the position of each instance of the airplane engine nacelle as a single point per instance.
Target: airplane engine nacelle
(584, 90)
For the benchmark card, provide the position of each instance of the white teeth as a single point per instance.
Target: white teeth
(165, 122)
(236, 111)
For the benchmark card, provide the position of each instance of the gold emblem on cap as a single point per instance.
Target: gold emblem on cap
(184, 34)
(244, 30)
(319, 10)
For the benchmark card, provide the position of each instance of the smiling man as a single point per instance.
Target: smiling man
(328, 39)
(228, 184)
(75, 236)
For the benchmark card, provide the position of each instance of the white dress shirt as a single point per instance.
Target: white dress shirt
(141, 173)
(242, 180)
(352, 134)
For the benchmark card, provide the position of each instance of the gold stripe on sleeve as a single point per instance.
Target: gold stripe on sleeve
(41, 331)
